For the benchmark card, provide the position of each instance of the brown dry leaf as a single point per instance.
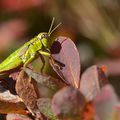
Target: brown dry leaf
(17, 117)
(26, 90)
(12, 107)
(10, 103)
(7, 96)
(44, 80)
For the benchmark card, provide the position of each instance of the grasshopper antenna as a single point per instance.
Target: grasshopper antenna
(51, 26)
(52, 30)
(55, 28)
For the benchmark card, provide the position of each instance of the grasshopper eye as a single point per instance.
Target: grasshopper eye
(40, 37)
(44, 35)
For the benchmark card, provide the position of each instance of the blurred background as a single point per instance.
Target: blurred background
(94, 26)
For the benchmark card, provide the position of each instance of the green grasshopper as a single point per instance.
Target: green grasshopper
(37, 46)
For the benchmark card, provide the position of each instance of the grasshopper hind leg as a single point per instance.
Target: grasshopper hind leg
(27, 55)
(43, 63)
(43, 53)
(29, 60)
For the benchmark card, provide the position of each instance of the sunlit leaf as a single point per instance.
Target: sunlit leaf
(66, 61)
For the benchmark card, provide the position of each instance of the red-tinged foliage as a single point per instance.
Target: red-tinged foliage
(68, 102)
(88, 112)
(112, 66)
(44, 105)
(75, 98)
(96, 25)
(66, 60)
(10, 31)
(105, 103)
(117, 113)
(92, 80)
(20, 5)
(104, 69)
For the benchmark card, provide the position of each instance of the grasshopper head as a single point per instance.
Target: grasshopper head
(44, 38)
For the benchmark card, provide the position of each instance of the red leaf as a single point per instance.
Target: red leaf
(68, 102)
(44, 105)
(91, 82)
(105, 103)
(66, 61)
(88, 112)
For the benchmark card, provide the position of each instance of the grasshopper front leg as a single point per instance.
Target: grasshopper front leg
(29, 60)
(43, 53)
(43, 62)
